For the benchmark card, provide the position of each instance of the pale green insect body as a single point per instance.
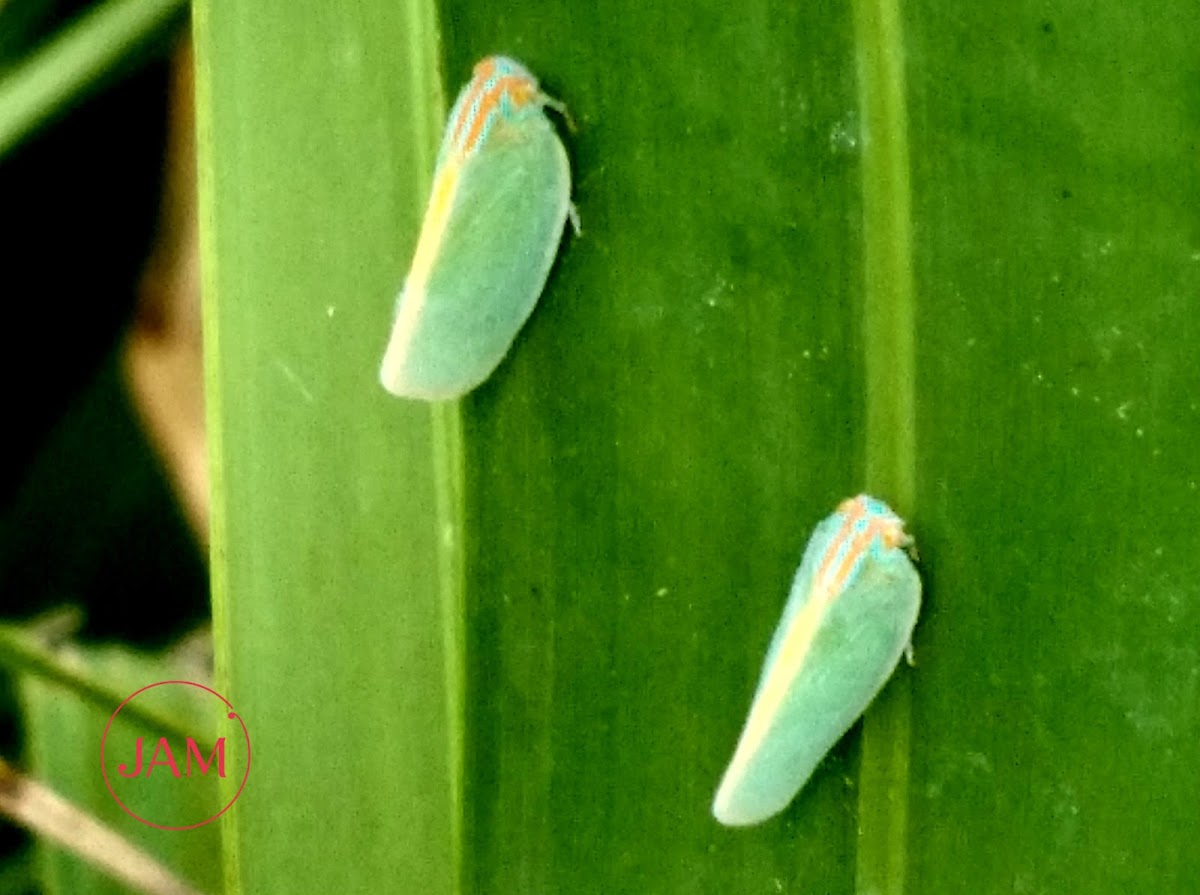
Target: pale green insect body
(500, 199)
(848, 620)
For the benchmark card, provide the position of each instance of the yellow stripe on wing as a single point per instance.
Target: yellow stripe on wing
(433, 229)
(793, 651)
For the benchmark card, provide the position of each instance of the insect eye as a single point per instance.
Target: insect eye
(894, 536)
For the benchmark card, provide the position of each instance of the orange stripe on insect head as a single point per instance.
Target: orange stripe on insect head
(886, 527)
(850, 503)
(520, 90)
(484, 68)
(860, 544)
(854, 510)
(481, 83)
(483, 73)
